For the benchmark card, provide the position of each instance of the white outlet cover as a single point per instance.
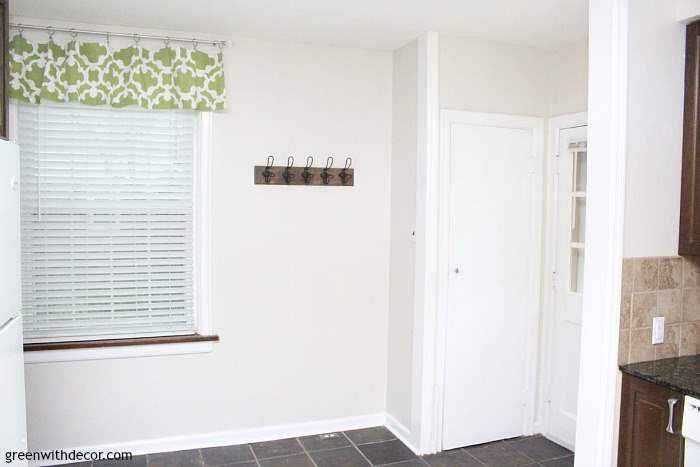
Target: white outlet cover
(657, 332)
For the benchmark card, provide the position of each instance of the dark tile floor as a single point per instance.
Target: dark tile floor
(358, 448)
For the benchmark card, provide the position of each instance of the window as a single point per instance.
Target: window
(108, 206)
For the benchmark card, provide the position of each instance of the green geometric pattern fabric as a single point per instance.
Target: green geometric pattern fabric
(91, 73)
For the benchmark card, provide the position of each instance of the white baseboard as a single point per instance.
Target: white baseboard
(401, 432)
(227, 438)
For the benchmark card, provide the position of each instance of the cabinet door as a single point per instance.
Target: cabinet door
(689, 234)
(646, 412)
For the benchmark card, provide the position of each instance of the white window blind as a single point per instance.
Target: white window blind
(107, 221)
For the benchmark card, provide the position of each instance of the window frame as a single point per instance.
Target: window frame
(203, 339)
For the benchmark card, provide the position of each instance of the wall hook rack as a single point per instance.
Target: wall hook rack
(308, 175)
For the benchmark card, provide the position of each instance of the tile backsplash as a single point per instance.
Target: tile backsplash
(659, 286)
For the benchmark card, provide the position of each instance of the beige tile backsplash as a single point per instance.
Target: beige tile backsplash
(659, 286)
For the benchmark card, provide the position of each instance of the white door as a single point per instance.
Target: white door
(568, 284)
(493, 281)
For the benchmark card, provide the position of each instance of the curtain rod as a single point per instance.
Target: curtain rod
(75, 31)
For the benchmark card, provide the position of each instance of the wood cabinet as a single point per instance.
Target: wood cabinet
(689, 234)
(650, 425)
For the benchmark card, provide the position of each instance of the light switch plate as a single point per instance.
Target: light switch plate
(657, 332)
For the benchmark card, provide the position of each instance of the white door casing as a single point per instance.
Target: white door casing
(490, 306)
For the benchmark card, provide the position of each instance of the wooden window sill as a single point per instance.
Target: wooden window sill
(102, 343)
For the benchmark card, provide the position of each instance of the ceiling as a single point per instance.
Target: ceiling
(375, 24)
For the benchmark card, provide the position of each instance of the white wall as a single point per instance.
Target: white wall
(300, 275)
(568, 79)
(483, 76)
(655, 129)
(403, 221)
(687, 10)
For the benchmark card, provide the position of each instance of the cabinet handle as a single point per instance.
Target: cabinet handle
(671, 404)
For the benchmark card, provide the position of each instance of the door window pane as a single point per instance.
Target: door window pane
(577, 256)
(580, 171)
(578, 153)
(578, 228)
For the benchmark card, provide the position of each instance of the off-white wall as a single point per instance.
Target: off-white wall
(687, 10)
(403, 221)
(300, 275)
(568, 79)
(482, 76)
(655, 129)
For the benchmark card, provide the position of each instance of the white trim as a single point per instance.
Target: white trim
(232, 437)
(400, 431)
(13, 117)
(607, 140)
(536, 126)
(425, 300)
(108, 353)
(554, 126)
(202, 224)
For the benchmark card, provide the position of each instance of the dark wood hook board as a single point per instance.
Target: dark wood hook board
(310, 176)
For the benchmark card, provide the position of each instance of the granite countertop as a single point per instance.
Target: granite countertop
(681, 374)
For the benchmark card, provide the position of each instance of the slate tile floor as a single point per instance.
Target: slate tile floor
(358, 448)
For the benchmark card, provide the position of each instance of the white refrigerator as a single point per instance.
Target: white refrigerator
(13, 426)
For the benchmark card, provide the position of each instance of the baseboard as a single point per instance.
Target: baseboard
(226, 438)
(401, 432)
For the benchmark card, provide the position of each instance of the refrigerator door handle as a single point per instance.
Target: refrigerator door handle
(6, 324)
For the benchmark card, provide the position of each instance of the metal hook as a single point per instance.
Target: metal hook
(344, 175)
(287, 175)
(167, 41)
(324, 173)
(137, 39)
(306, 174)
(194, 44)
(220, 45)
(107, 39)
(20, 30)
(73, 33)
(51, 32)
(267, 173)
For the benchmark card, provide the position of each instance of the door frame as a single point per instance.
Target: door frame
(554, 127)
(536, 126)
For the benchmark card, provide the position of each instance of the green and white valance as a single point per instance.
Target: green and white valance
(92, 73)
